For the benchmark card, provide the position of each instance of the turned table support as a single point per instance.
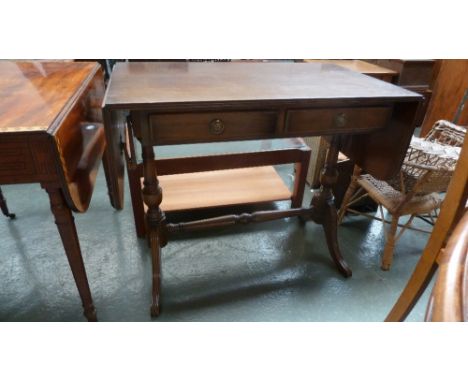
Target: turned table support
(66, 227)
(155, 220)
(322, 211)
(323, 205)
(4, 207)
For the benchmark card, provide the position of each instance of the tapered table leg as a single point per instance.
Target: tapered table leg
(324, 210)
(4, 207)
(152, 196)
(66, 227)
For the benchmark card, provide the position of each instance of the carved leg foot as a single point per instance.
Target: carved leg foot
(4, 207)
(387, 258)
(66, 227)
(324, 210)
(330, 223)
(155, 222)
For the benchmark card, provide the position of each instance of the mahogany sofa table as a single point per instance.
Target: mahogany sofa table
(50, 133)
(369, 120)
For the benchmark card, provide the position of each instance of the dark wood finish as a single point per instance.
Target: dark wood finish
(155, 219)
(451, 212)
(298, 153)
(300, 176)
(324, 207)
(230, 220)
(114, 121)
(238, 92)
(448, 300)
(345, 170)
(449, 90)
(337, 119)
(4, 207)
(198, 86)
(198, 127)
(345, 166)
(371, 152)
(182, 128)
(51, 133)
(414, 75)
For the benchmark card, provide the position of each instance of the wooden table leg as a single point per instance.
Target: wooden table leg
(66, 227)
(300, 178)
(4, 207)
(152, 196)
(324, 210)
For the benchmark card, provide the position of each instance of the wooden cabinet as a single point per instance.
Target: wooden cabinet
(449, 95)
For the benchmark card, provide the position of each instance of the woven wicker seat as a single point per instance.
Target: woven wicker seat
(425, 174)
(391, 198)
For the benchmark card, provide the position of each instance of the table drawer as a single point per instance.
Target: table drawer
(206, 127)
(15, 157)
(336, 120)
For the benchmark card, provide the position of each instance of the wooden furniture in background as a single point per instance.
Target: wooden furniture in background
(449, 297)
(450, 92)
(319, 145)
(360, 66)
(425, 174)
(4, 207)
(414, 75)
(450, 214)
(168, 103)
(50, 133)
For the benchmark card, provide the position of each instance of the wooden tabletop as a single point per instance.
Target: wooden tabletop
(34, 93)
(164, 84)
(358, 66)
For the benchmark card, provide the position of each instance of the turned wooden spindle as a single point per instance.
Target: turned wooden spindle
(229, 220)
(155, 220)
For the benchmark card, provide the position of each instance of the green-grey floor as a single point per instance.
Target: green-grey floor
(275, 271)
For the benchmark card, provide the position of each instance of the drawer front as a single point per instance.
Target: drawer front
(337, 120)
(15, 157)
(206, 127)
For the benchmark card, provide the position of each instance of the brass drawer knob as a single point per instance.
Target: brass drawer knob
(341, 120)
(216, 127)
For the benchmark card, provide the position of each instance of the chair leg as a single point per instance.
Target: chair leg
(390, 244)
(4, 207)
(350, 192)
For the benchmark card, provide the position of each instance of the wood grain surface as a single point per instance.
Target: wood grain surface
(189, 83)
(222, 188)
(34, 93)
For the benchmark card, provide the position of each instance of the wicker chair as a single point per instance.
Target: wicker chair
(425, 173)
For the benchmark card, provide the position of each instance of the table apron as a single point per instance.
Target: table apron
(217, 126)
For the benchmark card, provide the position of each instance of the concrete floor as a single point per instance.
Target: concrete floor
(275, 271)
